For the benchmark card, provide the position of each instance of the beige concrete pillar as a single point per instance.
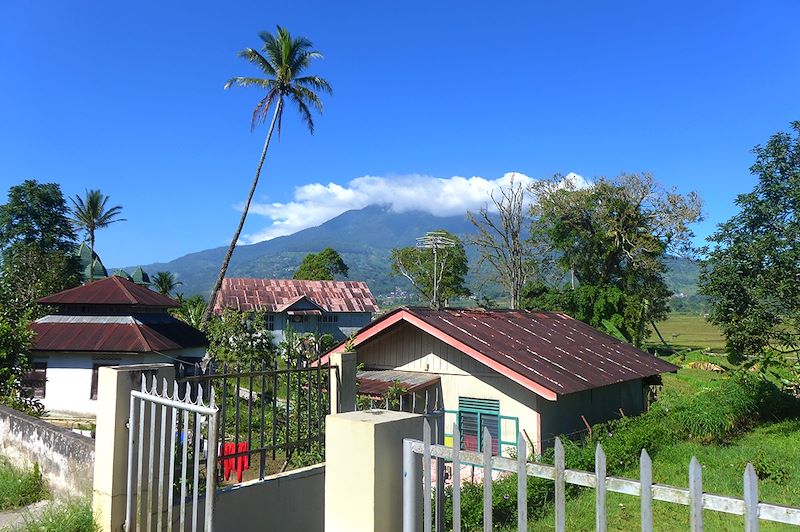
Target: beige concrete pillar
(343, 383)
(364, 469)
(114, 387)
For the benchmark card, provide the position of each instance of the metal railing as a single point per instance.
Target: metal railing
(164, 451)
(693, 497)
(267, 414)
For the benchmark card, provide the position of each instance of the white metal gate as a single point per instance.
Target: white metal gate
(167, 438)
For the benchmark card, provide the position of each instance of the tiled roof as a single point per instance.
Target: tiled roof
(111, 291)
(273, 295)
(545, 351)
(138, 333)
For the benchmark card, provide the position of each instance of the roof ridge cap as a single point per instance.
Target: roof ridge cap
(128, 294)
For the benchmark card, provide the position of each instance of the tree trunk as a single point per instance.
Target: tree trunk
(91, 256)
(229, 253)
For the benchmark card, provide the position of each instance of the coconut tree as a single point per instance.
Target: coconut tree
(90, 213)
(282, 61)
(165, 282)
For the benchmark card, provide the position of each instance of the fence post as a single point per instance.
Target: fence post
(343, 382)
(111, 438)
(364, 469)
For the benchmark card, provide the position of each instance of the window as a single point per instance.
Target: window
(269, 321)
(95, 375)
(34, 382)
(329, 318)
(475, 415)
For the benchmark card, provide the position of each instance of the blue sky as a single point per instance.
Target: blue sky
(128, 98)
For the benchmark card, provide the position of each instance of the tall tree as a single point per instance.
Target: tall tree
(752, 272)
(613, 236)
(500, 240)
(36, 214)
(90, 213)
(37, 243)
(284, 61)
(436, 272)
(165, 282)
(322, 266)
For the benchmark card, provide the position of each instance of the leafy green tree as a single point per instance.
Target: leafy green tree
(322, 266)
(611, 239)
(37, 243)
(437, 274)
(283, 63)
(191, 310)
(752, 272)
(90, 214)
(240, 338)
(165, 282)
(36, 214)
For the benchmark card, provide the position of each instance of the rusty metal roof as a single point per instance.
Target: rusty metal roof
(140, 333)
(378, 381)
(546, 351)
(276, 295)
(113, 290)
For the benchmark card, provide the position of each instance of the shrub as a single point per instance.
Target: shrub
(70, 516)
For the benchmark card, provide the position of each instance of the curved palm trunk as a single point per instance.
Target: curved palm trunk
(229, 253)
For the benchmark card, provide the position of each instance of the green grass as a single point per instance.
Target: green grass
(69, 516)
(688, 330)
(773, 447)
(19, 488)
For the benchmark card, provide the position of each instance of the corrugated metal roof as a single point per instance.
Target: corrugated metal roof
(274, 295)
(378, 381)
(552, 350)
(560, 353)
(140, 333)
(110, 291)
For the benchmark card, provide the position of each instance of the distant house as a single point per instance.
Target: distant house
(109, 322)
(339, 308)
(543, 373)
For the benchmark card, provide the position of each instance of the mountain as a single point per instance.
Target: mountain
(364, 238)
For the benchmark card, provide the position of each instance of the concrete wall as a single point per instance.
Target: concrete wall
(66, 459)
(288, 501)
(69, 376)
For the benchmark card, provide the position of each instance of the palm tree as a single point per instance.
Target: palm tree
(90, 213)
(165, 282)
(283, 62)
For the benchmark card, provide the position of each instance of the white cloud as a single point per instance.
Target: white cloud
(315, 203)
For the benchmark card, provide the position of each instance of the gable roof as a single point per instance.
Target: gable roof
(137, 333)
(274, 295)
(113, 290)
(549, 353)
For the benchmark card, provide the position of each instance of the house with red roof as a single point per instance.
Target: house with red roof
(542, 373)
(109, 322)
(338, 308)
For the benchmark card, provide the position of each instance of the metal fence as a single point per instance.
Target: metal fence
(268, 416)
(168, 456)
(693, 497)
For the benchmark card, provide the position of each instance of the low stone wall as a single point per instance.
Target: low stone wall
(65, 459)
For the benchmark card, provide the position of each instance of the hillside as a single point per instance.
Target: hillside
(364, 238)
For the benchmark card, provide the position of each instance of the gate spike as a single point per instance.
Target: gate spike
(165, 389)
(211, 397)
(143, 387)
(154, 387)
(199, 400)
(174, 390)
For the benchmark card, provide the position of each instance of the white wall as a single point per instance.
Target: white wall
(69, 376)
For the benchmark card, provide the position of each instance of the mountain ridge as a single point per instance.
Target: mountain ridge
(364, 238)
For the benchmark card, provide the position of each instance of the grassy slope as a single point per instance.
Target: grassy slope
(19, 488)
(775, 444)
(689, 330)
(722, 474)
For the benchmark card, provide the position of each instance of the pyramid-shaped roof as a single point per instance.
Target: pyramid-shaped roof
(122, 273)
(140, 277)
(113, 290)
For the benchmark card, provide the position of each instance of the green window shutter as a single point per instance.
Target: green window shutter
(474, 415)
